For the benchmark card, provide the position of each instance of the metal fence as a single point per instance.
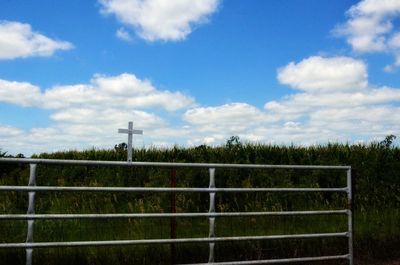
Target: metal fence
(30, 216)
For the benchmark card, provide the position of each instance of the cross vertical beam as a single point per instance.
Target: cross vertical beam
(130, 131)
(130, 128)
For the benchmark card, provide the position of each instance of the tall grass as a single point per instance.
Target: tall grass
(376, 173)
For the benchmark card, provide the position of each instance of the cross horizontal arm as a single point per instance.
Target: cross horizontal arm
(130, 131)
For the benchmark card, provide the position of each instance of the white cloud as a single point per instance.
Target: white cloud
(167, 20)
(124, 91)
(327, 84)
(96, 129)
(86, 115)
(394, 41)
(370, 114)
(296, 105)
(338, 114)
(211, 125)
(232, 114)
(370, 26)
(390, 68)
(123, 34)
(325, 74)
(6, 131)
(394, 44)
(19, 93)
(320, 110)
(107, 117)
(18, 40)
(335, 103)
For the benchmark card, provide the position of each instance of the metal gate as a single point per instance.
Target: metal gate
(30, 216)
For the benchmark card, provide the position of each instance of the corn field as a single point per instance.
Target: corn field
(376, 172)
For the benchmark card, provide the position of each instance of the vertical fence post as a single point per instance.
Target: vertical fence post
(211, 219)
(173, 210)
(350, 216)
(31, 210)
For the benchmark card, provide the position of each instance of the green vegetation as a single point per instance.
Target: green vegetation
(376, 172)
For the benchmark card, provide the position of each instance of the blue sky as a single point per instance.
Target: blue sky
(197, 71)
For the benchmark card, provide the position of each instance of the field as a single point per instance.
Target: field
(375, 168)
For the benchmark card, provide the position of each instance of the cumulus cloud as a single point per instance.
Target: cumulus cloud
(337, 86)
(124, 91)
(18, 40)
(232, 114)
(337, 110)
(330, 102)
(167, 20)
(19, 93)
(123, 34)
(107, 117)
(394, 41)
(394, 44)
(333, 101)
(7, 131)
(325, 74)
(211, 125)
(370, 27)
(334, 82)
(299, 104)
(85, 115)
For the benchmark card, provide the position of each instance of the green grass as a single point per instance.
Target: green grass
(74, 230)
(376, 172)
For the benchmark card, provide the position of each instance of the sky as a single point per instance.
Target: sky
(192, 72)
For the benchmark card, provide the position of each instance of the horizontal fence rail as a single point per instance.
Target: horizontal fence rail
(162, 215)
(212, 239)
(167, 241)
(277, 261)
(161, 164)
(140, 189)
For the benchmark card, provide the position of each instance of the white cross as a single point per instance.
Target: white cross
(130, 131)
